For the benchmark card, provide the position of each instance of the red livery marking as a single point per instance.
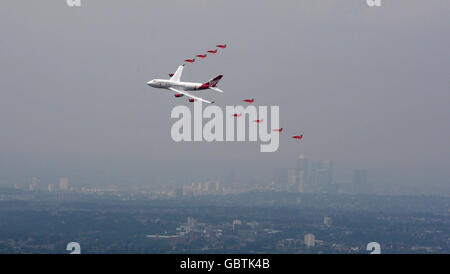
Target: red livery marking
(212, 51)
(201, 56)
(221, 46)
(204, 86)
(212, 83)
(249, 100)
(298, 137)
(258, 121)
(237, 115)
(190, 60)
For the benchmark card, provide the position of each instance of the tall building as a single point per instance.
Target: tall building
(310, 240)
(63, 184)
(321, 178)
(301, 168)
(292, 179)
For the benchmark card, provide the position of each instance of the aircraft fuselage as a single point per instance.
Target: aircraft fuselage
(166, 84)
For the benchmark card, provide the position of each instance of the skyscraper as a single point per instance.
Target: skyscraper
(301, 167)
(321, 178)
(292, 179)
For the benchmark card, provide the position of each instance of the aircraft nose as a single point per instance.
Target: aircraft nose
(150, 82)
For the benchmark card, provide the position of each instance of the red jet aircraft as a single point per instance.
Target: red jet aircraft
(258, 121)
(249, 100)
(190, 60)
(278, 130)
(237, 114)
(222, 46)
(212, 51)
(298, 137)
(202, 55)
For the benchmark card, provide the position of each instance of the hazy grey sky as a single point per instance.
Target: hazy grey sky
(368, 87)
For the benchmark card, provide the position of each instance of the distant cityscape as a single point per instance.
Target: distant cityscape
(305, 176)
(38, 220)
(300, 209)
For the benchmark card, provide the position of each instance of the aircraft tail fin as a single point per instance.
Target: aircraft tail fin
(213, 82)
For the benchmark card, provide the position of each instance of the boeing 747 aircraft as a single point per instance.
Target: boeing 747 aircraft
(180, 88)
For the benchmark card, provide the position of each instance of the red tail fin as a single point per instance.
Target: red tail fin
(215, 81)
(211, 83)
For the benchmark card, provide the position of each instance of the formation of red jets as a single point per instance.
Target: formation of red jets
(203, 56)
(279, 130)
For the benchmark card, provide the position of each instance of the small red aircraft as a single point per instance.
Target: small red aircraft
(258, 121)
(191, 100)
(178, 95)
(278, 130)
(170, 74)
(221, 46)
(298, 137)
(201, 55)
(190, 60)
(212, 51)
(249, 100)
(237, 114)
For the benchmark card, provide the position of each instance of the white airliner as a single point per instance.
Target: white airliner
(180, 88)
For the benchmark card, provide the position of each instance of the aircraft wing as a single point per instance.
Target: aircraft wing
(177, 75)
(189, 95)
